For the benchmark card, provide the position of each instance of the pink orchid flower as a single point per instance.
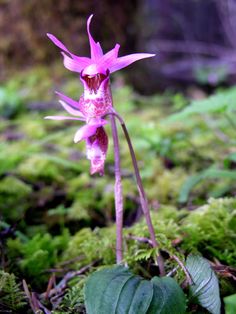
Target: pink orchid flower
(92, 132)
(96, 100)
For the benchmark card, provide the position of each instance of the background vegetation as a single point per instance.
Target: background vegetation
(56, 221)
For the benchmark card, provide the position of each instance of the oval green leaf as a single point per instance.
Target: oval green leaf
(168, 297)
(116, 290)
(205, 287)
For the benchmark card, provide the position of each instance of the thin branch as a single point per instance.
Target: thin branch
(187, 46)
(51, 283)
(139, 239)
(188, 277)
(35, 304)
(62, 285)
(28, 295)
(173, 69)
(225, 18)
(172, 272)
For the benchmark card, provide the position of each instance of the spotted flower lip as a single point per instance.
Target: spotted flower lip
(92, 132)
(98, 62)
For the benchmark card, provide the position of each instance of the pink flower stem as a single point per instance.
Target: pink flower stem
(143, 198)
(118, 193)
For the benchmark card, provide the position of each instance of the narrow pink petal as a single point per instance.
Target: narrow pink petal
(96, 50)
(68, 100)
(57, 42)
(74, 65)
(100, 48)
(62, 118)
(85, 132)
(110, 58)
(70, 110)
(97, 121)
(86, 61)
(123, 62)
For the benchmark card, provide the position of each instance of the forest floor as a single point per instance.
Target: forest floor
(56, 219)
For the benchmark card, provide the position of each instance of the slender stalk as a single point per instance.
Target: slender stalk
(118, 193)
(143, 198)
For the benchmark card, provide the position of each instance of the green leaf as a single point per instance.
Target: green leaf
(210, 173)
(232, 157)
(188, 186)
(141, 299)
(97, 289)
(168, 297)
(230, 304)
(205, 287)
(129, 288)
(116, 290)
(220, 102)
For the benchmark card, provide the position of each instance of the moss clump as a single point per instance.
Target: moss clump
(36, 167)
(211, 229)
(98, 244)
(14, 198)
(38, 254)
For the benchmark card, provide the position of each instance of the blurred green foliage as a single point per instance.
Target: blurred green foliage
(52, 212)
(218, 112)
(14, 197)
(230, 304)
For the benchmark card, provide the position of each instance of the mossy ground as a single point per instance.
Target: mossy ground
(55, 216)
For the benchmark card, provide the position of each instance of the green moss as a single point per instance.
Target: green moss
(92, 245)
(36, 167)
(11, 155)
(78, 212)
(33, 128)
(14, 198)
(211, 229)
(77, 183)
(38, 254)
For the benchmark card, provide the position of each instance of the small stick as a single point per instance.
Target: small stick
(28, 294)
(51, 283)
(62, 285)
(172, 272)
(188, 277)
(139, 239)
(35, 304)
(73, 260)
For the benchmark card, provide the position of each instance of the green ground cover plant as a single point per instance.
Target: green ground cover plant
(57, 223)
